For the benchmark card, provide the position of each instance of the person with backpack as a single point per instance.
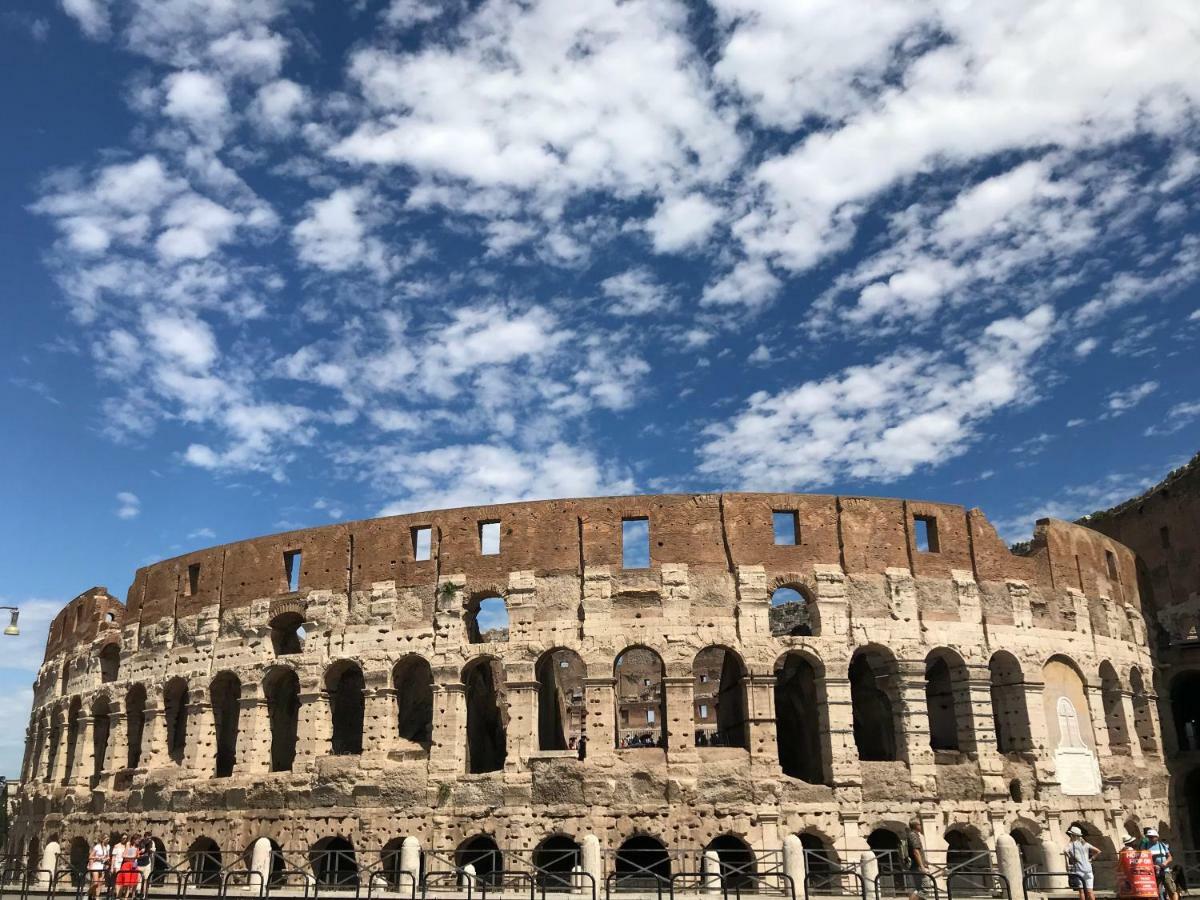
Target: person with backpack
(1160, 852)
(914, 839)
(1080, 855)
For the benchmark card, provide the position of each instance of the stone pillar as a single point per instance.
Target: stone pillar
(521, 737)
(710, 871)
(599, 726)
(1008, 861)
(449, 751)
(117, 753)
(760, 711)
(314, 730)
(1052, 854)
(1096, 715)
(260, 862)
(1039, 735)
(200, 752)
(48, 864)
(154, 734)
(597, 605)
(590, 858)
(522, 609)
(794, 864)
(914, 726)
(681, 717)
(448, 610)
(869, 866)
(843, 752)
(85, 752)
(379, 716)
(254, 732)
(410, 859)
(832, 616)
(1131, 729)
(983, 730)
(753, 603)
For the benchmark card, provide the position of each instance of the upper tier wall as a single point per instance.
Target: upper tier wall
(704, 531)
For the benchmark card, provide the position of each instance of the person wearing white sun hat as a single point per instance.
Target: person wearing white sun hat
(1160, 851)
(1079, 855)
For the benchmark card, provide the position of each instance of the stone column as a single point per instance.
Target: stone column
(599, 724)
(521, 735)
(379, 715)
(794, 864)
(200, 751)
(117, 752)
(254, 732)
(590, 858)
(85, 755)
(844, 764)
(154, 734)
(914, 726)
(832, 615)
(983, 730)
(680, 696)
(760, 710)
(597, 605)
(1135, 741)
(1039, 734)
(410, 859)
(449, 751)
(522, 609)
(1008, 861)
(753, 603)
(1096, 714)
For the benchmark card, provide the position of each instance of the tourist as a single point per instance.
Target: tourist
(116, 857)
(1079, 864)
(917, 866)
(97, 867)
(127, 872)
(1160, 852)
(145, 862)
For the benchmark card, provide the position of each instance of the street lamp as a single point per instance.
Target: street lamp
(12, 629)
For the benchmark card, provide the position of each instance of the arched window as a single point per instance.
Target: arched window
(967, 856)
(821, 863)
(793, 613)
(110, 662)
(642, 864)
(800, 719)
(392, 865)
(1185, 710)
(736, 861)
(1191, 803)
(554, 859)
(560, 674)
(487, 749)
(52, 749)
(204, 863)
(333, 862)
(719, 703)
(1010, 713)
(1029, 848)
(412, 679)
(487, 619)
(1143, 720)
(287, 633)
(948, 700)
(72, 736)
(345, 685)
(481, 852)
(175, 704)
(886, 846)
(1114, 710)
(1068, 724)
(66, 677)
(226, 695)
(281, 689)
(135, 711)
(873, 694)
(100, 729)
(78, 855)
(641, 700)
(278, 865)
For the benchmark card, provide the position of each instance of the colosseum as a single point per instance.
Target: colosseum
(609, 692)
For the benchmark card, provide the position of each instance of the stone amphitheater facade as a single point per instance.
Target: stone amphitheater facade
(331, 687)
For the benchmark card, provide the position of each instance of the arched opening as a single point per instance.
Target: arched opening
(412, 679)
(101, 725)
(204, 863)
(287, 633)
(737, 861)
(1068, 722)
(275, 874)
(793, 613)
(886, 846)
(73, 714)
(39, 744)
(553, 860)
(333, 862)
(1114, 710)
(281, 689)
(226, 695)
(821, 863)
(641, 701)
(1098, 838)
(110, 662)
(345, 685)
(966, 859)
(948, 700)
(874, 698)
(175, 708)
(1029, 848)
(1191, 802)
(560, 674)
(1185, 710)
(78, 855)
(1143, 719)
(798, 714)
(390, 860)
(135, 712)
(66, 677)
(1010, 713)
(487, 715)
(158, 862)
(482, 852)
(642, 863)
(52, 748)
(719, 706)
(486, 619)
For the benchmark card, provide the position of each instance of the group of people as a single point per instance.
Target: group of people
(123, 864)
(644, 739)
(1079, 855)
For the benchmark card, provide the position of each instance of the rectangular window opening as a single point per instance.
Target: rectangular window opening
(703, 711)
(787, 528)
(1111, 559)
(650, 717)
(926, 533)
(489, 538)
(422, 540)
(1164, 535)
(193, 581)
(635, 543)
(292, 560)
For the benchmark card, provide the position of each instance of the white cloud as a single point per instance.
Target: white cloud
(277, 105)
(335, 237)
(1086, 346)
(187, 342)
(195, 228)
(206, 534)
(749, 283)
(909, 410)
(635, 292)
(198, 99)
(1120, 402)
(255, 53)
(129, 506)
(1175, 419)
(681, 223)
(92, 16)
(407, 13)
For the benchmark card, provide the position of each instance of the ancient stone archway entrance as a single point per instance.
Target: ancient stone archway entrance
(798, 718)
(486, 716)
(482, 852)
(226, 696)
(554, 859)
(642, 862)
(345, 685)
(560, 675)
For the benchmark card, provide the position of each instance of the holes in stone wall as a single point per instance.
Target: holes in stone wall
(483, 854)
(333, 862)
(1114, 710)
(100, 730)
(641, 700)
(422, 541)
(560, 674)
(793, 613)
(225, 695)
(487, 715)
(72, 737)
(736, 861)
(204, 862)
(1143, 720)
(281, 689)
(798, 719)
(287, 633)
(345, 685)
(642, 863)
(948, 701)
(1110, 560)
(193, 580)
(554, 859)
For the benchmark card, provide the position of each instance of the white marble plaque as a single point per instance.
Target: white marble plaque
(1078, 772)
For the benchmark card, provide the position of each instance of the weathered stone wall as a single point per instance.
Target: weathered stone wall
(1069, 607)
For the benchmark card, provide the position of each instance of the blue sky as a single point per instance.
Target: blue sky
(269, 264)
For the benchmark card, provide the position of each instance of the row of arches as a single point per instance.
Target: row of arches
(877, 687)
